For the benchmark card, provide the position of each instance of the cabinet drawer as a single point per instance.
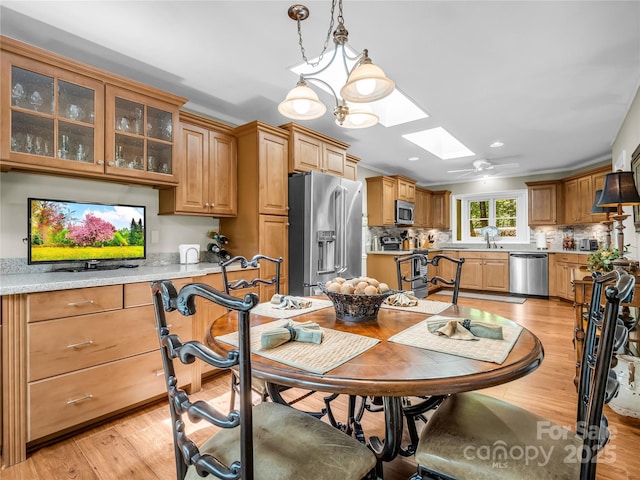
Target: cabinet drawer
(68, 344)
(79, 301)
(136, 294)
(67, 400)
(571, 258)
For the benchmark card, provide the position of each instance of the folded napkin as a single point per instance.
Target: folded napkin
(402, 299)
(289, 302)
(308, 332)
(466, 330)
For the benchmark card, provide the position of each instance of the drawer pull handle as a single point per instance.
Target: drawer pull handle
(88, 396)
(159, 373)
(76, 304)
(86, 343)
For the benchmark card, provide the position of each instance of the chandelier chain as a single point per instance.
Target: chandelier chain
(329, 32)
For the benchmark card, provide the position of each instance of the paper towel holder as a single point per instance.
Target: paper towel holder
(189, 253)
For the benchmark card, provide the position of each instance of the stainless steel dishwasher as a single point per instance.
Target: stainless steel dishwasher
(529, 273)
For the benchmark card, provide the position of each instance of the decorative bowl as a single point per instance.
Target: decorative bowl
(356, 308)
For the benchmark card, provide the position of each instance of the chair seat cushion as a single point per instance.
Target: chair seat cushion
(292, 444)
(476, 436)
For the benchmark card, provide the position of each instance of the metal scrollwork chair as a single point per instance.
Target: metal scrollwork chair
(281, 441)
(231, 286)
(415, 411)
(450, 443)
(425, 261)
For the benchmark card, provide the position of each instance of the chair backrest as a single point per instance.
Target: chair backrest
(598, 383)
(425, 261)
(167, 299)
(261, 261)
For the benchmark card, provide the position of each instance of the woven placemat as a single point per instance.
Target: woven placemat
(336, 348)
(485, 349)
(430, 307)
(268, 309)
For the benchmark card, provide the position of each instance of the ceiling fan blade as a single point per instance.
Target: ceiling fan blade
(468, 172)
(462, 170)
(508, 165)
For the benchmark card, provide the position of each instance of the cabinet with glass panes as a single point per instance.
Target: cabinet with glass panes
(51, 117)
(139, 135)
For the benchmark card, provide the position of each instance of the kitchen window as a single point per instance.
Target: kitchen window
(504, 210)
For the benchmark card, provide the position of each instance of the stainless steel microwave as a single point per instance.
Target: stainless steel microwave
(404, 212)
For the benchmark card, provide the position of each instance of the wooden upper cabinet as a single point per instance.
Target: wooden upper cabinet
(65, 117)
(422, 208)
(440, 209)
(139, 134)
(381, 196)
(406, 188)
(351, 167)
(206, 169)
(274, 181)
(310, 150)
(52, 118)
(579, 194)
(542, 203)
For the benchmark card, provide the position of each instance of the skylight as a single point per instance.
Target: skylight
(395, 109)
(440, 143)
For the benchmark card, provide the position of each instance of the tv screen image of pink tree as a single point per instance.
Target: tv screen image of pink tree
(68, 231)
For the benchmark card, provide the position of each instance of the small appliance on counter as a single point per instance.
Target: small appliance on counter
(588, 245)
(390, 242)
(189, 253)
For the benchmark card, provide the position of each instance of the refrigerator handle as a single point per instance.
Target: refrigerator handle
(341, 227)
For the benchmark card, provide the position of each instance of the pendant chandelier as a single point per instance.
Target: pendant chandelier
(365, 83)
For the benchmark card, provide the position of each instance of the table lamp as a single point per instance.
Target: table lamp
(608, 222)
(619, 189)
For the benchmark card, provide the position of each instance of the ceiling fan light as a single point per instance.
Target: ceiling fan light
(302, 103)
(367, 83)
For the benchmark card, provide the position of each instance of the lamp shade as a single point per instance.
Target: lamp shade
(367, 83)
(360, 116)
(302, 103)
(619, 189)
(598, 208)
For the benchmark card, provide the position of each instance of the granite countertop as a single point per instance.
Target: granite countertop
(44, 282)
(478, 249)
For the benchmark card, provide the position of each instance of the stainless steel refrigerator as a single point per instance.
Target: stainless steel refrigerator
(325, 230)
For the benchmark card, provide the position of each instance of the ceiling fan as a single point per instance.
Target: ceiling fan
(483, 166)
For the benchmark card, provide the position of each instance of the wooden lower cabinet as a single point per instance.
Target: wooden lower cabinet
(64, 401)
(485, 271)
(79, 355)
(383, 268)
(563, 269)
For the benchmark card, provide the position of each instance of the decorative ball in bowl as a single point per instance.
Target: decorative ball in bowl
(360, 305)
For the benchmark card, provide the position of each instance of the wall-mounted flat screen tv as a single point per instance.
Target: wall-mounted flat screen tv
(68, 231)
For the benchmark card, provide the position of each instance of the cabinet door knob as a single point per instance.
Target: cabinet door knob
(111, 164)
(100, 162)
(206, 204)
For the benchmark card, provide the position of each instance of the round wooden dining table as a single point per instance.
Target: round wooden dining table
(392, 371)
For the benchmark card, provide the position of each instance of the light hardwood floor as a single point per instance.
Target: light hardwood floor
(138, 446)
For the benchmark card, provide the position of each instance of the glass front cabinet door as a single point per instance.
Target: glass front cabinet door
(140, 134)
(52, 119)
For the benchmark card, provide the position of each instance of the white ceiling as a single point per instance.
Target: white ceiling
(552, 80)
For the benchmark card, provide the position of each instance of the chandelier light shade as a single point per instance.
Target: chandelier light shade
(358, 116)
(365, 82)
(302, 103)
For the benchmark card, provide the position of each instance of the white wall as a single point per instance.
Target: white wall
(15, 188)
(627, 140)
